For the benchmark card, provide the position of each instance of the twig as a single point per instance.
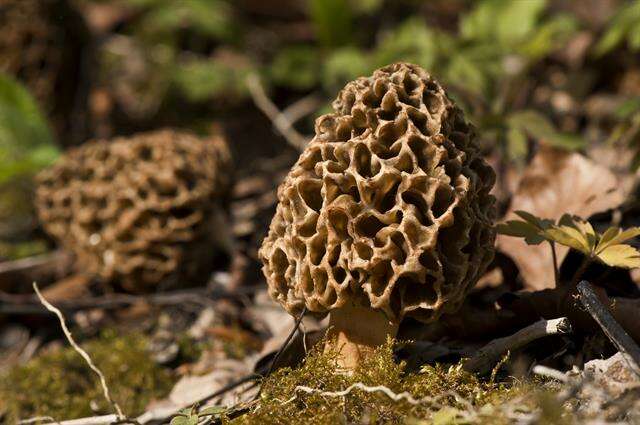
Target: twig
(280, 121)
(296, 326)
(94, 420)
(231, 386)
(38, 419)
(85, 356)
(301, 108)
(483, 361)
(611, 328)
(550, 373)
(26, 304)
(29, 263)
(404, 396)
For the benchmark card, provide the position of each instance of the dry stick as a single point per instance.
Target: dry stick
(85, 356)
(482, 362)
(611, 328)
(280, 121)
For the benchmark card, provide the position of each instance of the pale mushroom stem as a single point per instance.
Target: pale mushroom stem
(355, 332)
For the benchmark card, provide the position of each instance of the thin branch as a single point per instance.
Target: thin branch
(482, 362)
(611, 328)
(280, 121)
(85, 356)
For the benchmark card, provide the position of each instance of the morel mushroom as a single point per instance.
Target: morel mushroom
(387, 213)
(142, 211)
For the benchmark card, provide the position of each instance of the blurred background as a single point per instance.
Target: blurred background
(529, 72)
(553, 87)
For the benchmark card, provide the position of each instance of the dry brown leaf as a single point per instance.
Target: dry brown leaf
(555, 183)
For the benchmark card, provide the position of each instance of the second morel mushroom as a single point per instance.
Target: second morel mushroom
(143, 211)
(386, 214)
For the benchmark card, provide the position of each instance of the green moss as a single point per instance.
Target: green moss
(454, 396)
(59, 384)
(17, 250)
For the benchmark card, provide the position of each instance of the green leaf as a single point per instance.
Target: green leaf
(620, 256)
(211, 18)
(296, 67)
(569, 236)
(627, 108)
(614, 236)
(521, 229)
(332, 21)
(539, 127)
(586, 229)
(26, 143)
(607, 237)
(212, 410)
(634, 38)
(366, 6)
(445, 416)
(624, 25)
(465, 72)
(203, 79)
(503, 21)
(181, 420)
(344, 65)
(566, 141)
(549, 36)
(517, 141)
(411, 41)
(541, 223)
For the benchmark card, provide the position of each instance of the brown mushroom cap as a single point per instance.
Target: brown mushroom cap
(141, 210)
(388, 206)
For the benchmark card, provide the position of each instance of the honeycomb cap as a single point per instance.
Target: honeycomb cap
(139, 210)
(388, 206)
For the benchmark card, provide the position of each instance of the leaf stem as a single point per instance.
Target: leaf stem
(583, 267)
(554, 256)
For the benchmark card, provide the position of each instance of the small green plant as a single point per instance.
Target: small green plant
(192, 416)
(624, 26)
(607, 248)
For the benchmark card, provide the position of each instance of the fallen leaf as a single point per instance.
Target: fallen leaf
(556, 183)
